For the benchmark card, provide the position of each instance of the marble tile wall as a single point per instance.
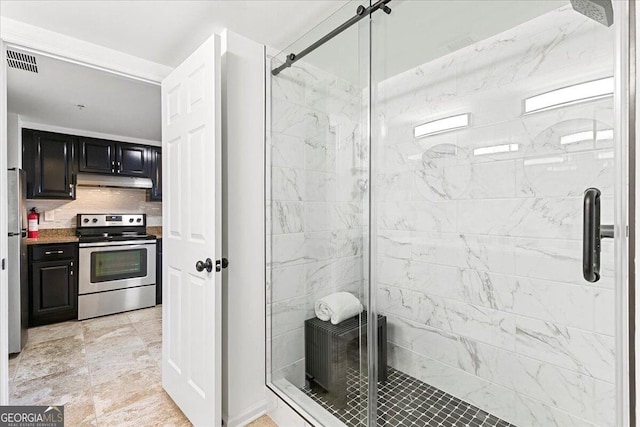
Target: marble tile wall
(479, 255)
(318, 181)
(98, 200)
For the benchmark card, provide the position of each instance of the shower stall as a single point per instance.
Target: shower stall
(460, 167)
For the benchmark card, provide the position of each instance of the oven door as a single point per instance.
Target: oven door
(108, 266)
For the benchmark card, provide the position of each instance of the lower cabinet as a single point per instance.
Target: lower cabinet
(159, 271)
(53, 283)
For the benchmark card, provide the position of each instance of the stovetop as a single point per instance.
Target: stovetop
(114, 238)
(93, 228)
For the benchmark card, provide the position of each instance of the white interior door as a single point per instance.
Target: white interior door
(191, 329)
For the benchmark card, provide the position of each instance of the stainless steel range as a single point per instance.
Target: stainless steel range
(116, 266)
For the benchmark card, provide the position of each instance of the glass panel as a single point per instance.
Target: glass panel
(317, 209)
(117, 265)
(479, 216)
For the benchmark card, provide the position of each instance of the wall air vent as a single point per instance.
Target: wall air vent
(22, 61)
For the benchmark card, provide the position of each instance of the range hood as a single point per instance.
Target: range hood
(96, 180)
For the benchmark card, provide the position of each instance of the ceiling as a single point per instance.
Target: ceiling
(113, 104)
(166, 32)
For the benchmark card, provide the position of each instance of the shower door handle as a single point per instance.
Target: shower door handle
(592, 233)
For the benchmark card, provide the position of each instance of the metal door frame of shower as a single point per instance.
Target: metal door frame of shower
(625, 186)
(625, 110)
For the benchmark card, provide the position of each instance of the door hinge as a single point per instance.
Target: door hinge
(3, 263)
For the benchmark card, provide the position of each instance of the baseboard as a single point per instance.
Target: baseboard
(251, 414)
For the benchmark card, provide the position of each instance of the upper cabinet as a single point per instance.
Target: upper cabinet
(53, 160)
(97, 156)
(132, 160)
(110, 157)
(156, 174)
(49, 160)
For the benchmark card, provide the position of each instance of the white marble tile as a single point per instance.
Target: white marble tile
(287, 184)
(288, 249)
(287, 151)
(394, 244)
(288, 282)
(287, 217)
(289, 315)
(605, 405)
(320, 153)
(557, 302)
(558, 388)
(296, 120)
(581, 351)
(484, 289)
(566, 175)
(486, 325)
(482, 252)
(394, 187)
(605, 311)
(550, 218)
(559, 260)
(287, 348)
(533, 413)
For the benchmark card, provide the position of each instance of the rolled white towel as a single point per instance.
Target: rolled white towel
(338, 307)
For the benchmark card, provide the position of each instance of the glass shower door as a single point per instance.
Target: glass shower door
(490, 120)
(317, 228)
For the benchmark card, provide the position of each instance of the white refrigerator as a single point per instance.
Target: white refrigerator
(17, 258)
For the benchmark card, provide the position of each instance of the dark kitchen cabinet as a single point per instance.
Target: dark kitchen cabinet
(159, 271)
(53, 283)
(49, 160)
(132, 160)
(97, 156)
(156, 174)
(113, 158)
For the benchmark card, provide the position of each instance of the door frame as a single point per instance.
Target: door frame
(4, 239)
(64, 48)
(625, 214)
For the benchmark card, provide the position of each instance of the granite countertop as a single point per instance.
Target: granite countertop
(54, 235)
(68, 235)
(155, 231)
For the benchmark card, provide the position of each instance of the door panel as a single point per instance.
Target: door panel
(132, 160)
(97, 156)
(191, 358)
(49, 162)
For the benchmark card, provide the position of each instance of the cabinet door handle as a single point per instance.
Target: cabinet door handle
(71, 273)
(53, 252)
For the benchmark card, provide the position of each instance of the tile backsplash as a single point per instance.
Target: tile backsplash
(97, 200)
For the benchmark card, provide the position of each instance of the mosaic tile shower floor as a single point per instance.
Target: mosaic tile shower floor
(403, 401)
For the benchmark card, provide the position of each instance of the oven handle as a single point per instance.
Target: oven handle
(119, 244)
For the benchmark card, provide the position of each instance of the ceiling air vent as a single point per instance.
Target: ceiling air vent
(22, 61)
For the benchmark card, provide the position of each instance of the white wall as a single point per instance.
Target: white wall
(243, 363)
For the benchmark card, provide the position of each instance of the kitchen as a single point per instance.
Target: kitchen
(85, 203)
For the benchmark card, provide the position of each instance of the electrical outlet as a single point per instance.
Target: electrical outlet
(49, 215)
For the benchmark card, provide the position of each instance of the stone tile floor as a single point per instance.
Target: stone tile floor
(106, 371)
